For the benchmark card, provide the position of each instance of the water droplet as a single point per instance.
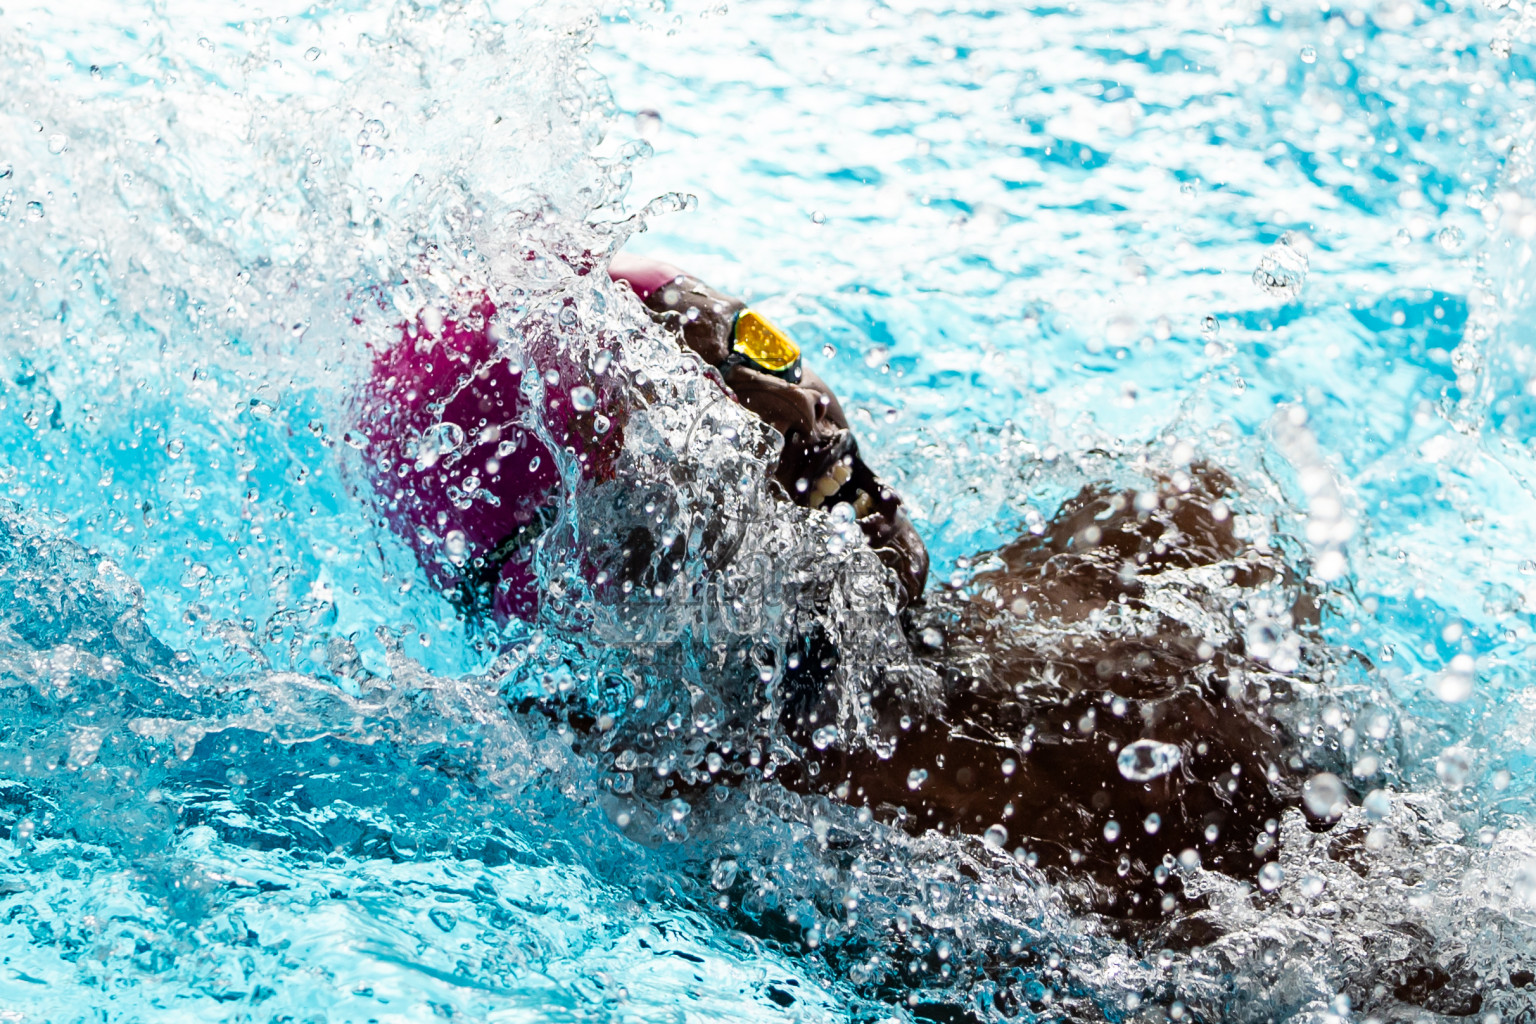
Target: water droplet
(1324, 795)
(1009, 766)
(312, 54)
(648, 124)
(1449, 239)
(824, 737)
(1453, 766)
(1270, 876)
(601, 423)
(175, 447)
(995, 836)
(817, 217)
(1454, 685)
(916, 777)
(1309, 55)
(933, 638)
(1377, 804)
(34, 210)
(456, 545)
(677, 809)
(583, 398)
(444, 437)
(58, 142)
(442, 919)
(1153, 823)
(1111, 831)
(722, 874)
(1282, 270)
(1147, 759)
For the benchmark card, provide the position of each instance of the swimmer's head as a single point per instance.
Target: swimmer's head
(473, 489)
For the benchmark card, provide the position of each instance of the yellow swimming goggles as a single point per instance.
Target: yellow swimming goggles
(763, 347)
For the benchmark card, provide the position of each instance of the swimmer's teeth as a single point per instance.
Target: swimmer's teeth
(863, 505)
(828, 485)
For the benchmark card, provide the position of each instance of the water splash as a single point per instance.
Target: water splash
(249, 740)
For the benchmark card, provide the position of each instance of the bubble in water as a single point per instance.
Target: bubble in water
(312, 54)
(1153, 823)
(583, 398)
(1453, 766)
(1111, 831)
(1282, 270)
(1312, 887)
(456, 545)
(174, 447)
(601, 423)
(1309, 55)
(1147, 759)
(995, 836)
(648, 124)
(916, 777)
(1324, 795)
(1449, 239)
(34, 210)
(58, 142)
(1270, 876)
(824, 737)
(1209, 328)
(1454, 685)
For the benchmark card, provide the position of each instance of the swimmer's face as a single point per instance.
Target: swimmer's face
(820, 467)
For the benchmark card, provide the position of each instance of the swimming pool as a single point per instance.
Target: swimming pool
(254, 769)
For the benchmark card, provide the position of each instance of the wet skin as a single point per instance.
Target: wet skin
(1058, 712)
(1035, 713)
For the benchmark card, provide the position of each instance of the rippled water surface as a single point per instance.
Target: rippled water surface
(254, 768)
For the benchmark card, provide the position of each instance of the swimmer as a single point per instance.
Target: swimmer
(1083, 719)
(1019, 726)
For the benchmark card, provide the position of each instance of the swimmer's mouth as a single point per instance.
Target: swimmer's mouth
(826, 474)
(843, 478)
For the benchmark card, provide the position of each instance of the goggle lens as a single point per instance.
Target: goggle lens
(765, 346)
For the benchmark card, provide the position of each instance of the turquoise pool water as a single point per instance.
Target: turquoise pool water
(253, 769)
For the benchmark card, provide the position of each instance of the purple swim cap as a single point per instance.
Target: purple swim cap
(461, 478)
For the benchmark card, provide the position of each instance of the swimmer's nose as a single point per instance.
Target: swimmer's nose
(790, 408)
